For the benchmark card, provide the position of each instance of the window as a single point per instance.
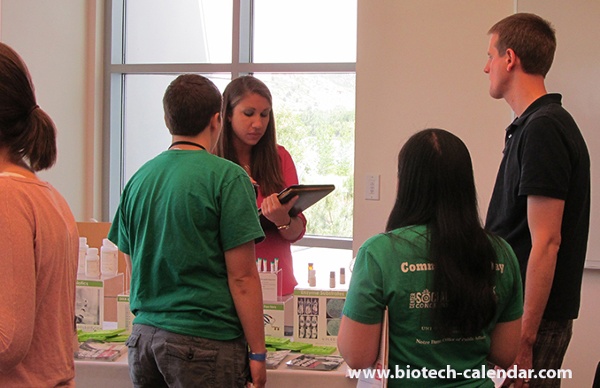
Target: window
(305, 51)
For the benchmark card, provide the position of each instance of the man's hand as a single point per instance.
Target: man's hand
(524, 361)
(258, 370)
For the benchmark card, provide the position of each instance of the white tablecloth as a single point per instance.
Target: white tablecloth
(115, 374)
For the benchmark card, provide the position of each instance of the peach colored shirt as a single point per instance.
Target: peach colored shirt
(38, 269)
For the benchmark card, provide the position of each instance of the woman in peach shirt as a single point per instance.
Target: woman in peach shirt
(39, 241)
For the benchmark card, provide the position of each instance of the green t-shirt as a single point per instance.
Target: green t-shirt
(177, 216)
(393, 270)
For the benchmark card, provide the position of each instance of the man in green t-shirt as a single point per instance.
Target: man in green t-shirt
(187, 222)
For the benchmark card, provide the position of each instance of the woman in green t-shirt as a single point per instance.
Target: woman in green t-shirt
(452, 290)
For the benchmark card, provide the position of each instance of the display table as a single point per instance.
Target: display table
(115, 374)
(98, 374)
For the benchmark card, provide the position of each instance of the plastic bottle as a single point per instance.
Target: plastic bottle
(83, 247)
(332, 279)
(109, 258)
(312, 278)
(92, 263)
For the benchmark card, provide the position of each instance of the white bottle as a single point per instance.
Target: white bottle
(83, 247)
(109, 258)
(312, 278)
(92, 263)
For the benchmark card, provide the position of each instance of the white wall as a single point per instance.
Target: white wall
(583, 354)
(415, 69)
(420, 64)
(57, 40)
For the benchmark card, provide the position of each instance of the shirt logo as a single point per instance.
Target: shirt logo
(426, 300)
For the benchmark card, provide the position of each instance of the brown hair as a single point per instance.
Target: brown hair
(25, 130)
(532, 39)
(189, 103)
(266, 166)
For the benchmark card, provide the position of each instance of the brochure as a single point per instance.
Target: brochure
(94, 350)
(275, 358)
(313, 362)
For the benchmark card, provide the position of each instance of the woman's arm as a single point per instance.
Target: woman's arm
(358, 343)
(293, 227)
(505, 340)
(17, 285)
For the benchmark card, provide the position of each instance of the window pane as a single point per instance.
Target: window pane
(182, 31)
(314, 116)
(287, 31)
(314, 112)
(145, 132)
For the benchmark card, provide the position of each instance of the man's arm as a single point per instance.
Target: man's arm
(544, 216)
(128, 266)
(244, 284)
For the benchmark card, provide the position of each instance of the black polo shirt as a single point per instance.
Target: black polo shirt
(546, 155)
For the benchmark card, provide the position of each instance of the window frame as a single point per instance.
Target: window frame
(241, 64)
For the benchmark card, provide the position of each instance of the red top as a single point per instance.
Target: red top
(274, 245)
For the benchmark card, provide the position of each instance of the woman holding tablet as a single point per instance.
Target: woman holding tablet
(248, 138)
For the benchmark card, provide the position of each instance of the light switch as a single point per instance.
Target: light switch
(372, 188)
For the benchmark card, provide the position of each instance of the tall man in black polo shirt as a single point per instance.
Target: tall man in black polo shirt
(541, 199)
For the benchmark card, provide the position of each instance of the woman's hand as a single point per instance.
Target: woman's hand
(276, 212)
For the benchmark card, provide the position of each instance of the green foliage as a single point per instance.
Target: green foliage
(314, 116)
(322, 145)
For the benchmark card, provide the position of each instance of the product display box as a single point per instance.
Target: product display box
(96, 301)
(317, 315)
(272, 285)
(95, 232)
(279, 317)
(124, 314)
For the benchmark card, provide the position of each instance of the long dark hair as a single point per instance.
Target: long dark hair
(26, 131)
(266, 166)
(436, 188)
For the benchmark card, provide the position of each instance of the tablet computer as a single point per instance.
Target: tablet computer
(308, 196)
